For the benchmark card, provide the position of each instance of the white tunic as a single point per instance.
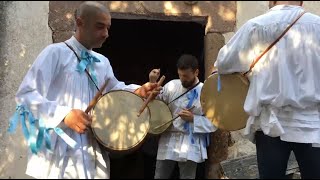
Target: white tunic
(284, 93)
(51, 88)
(175, 143)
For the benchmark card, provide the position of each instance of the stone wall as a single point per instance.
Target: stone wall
(217, 16)
(24, 33)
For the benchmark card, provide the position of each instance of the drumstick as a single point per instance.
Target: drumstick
(172, 119)
(96, 97)
(150, 97)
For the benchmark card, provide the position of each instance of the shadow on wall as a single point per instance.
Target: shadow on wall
(22, 36)
(220, 14)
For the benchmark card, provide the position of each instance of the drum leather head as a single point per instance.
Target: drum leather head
(160, 114)
(225, 108)
(115, 123)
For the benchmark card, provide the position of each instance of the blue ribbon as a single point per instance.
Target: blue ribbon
(219, 83)
(35, 141)
(88, 59)
(14, 120)
(30, 135)
(44, 134)
(66, 138)
(192, 95)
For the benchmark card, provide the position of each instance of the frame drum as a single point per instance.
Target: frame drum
(115, 123)
(225, 108)
(160, 114)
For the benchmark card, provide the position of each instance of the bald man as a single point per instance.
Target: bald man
(58, 88)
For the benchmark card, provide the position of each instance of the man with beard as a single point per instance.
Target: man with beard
(186, 140)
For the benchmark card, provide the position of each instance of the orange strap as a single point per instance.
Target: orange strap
(271, 45)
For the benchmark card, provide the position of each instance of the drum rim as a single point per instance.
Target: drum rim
(132, 146)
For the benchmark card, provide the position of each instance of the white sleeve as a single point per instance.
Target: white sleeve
(237, 55)
(35, 85)
(201, 124)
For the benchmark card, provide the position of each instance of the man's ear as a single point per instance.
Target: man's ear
(197, 72)
(79, 22)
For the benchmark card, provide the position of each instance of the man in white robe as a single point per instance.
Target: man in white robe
(185, 141)
(57, 90)
(284, 93)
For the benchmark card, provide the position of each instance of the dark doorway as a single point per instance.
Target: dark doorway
(134, 48)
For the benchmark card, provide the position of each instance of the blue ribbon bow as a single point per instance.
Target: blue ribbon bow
(87, 60)
(43, 133)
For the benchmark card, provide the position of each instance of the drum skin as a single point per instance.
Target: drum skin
(160, 114)
(115, 121)
(224, 108)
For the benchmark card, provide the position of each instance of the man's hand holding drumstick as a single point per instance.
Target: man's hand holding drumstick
(79, 120)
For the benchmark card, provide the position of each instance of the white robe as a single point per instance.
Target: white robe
(51, 88)
(284, 93)
(175, 143)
